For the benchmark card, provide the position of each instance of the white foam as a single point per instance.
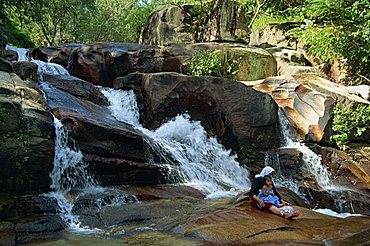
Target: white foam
(334, 214)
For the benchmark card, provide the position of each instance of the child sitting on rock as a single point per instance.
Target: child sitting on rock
(266, 194)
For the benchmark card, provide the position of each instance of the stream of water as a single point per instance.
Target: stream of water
(204, 163)
(313, 165)
(312, 161)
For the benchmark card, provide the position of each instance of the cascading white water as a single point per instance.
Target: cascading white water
(69, 171)
(22, 52)
(43, 67)
(49, 68)
(123, 105)
(279, 178)
(311, 159)
(314, 166)
(204, 162)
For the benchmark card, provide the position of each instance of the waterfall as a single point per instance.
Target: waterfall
(22, 52)
(312, 164)
(205, 164)
(43, 67)
(69, 170)
(280, 179)
(123, 105)
(311, 160)
(49, 68)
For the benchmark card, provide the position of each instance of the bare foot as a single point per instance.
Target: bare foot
(291, 215)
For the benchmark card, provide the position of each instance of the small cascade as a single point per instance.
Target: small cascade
(340, 196)
(70, 180)
(43, 67)
(49, 68)
(280, 179)
(69, 173)
(22, 52)
(69, 170)
(123, 105)
(207, 165)
(204, 163)
(311, 159)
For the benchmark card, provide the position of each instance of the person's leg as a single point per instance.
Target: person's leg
(275, 210)
(286, 215)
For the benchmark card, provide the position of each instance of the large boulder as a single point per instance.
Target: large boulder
(307, 110)
(275, 35)
(77, 87)
(6, 65)
(27, 136)
(307, 101)
(226, 21)
(101, 63)
(235, 113)
(246, 62)
(167, 26)
(114, 151)
(26, 70)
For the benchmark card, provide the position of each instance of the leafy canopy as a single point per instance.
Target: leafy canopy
(349, 120)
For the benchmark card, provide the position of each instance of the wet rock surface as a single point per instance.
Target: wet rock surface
(77, 87)
(101, 139)
(179, 215)
(30, 218)
(216, 102)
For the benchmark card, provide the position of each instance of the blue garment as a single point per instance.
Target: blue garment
(270, 198)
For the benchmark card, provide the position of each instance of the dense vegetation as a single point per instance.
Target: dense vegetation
(332, 30)
(350, 121)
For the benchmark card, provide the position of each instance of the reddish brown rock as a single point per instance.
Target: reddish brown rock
(235, 113)
(307, 110)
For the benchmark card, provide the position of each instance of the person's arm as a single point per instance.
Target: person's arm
(264, 188)
(281, 201)
(276, 193)
(260, 202)
(256, 186)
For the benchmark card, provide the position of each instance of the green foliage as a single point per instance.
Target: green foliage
(266, 19)
(339, 29)
(215, 63)
(348, 120)
(322, 42)
(205, 63)
(9, 19)
(16, 37)
(55, 22)
(3, 114)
